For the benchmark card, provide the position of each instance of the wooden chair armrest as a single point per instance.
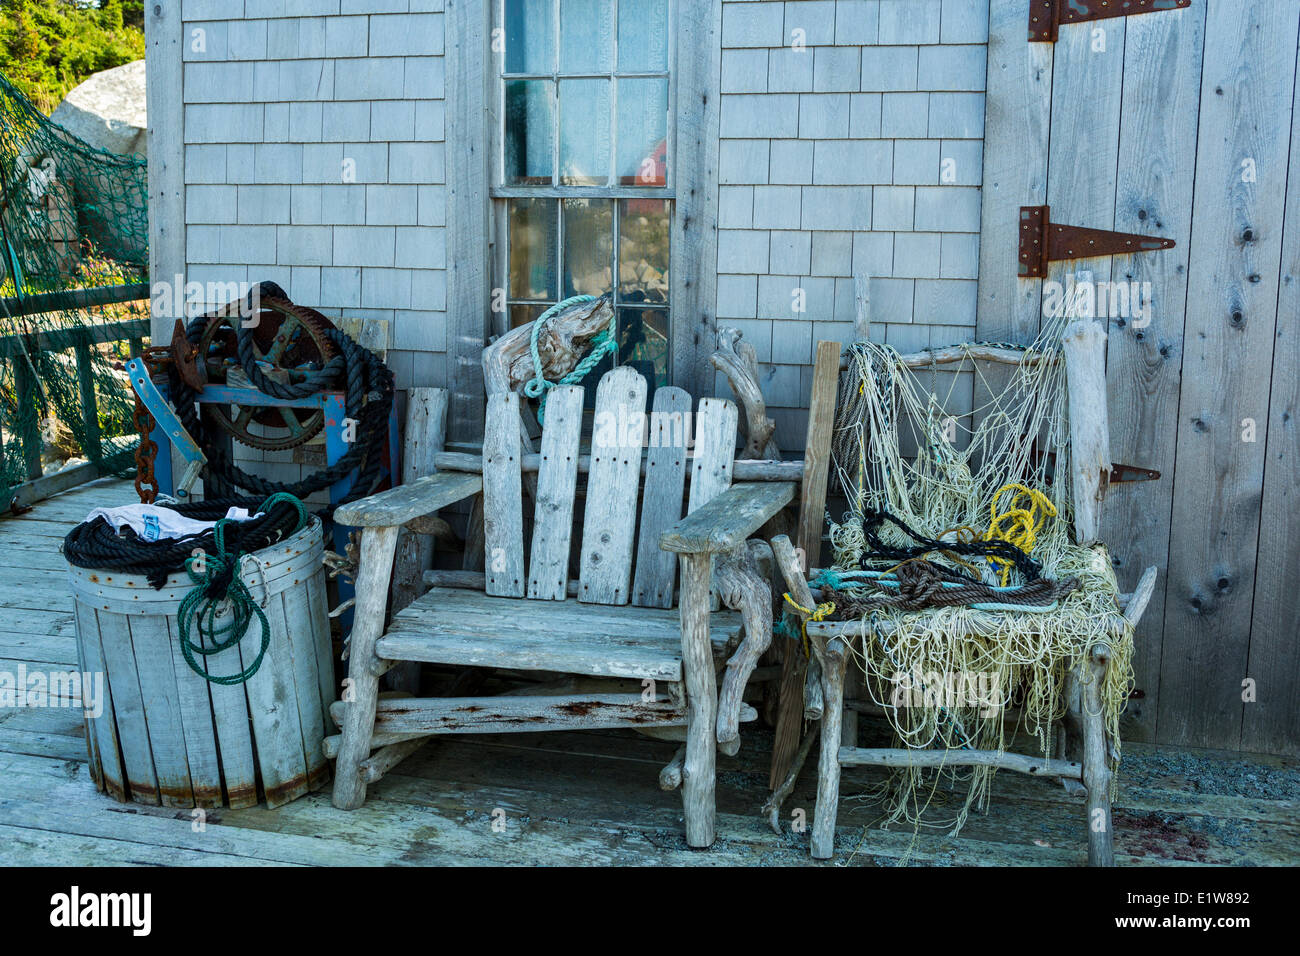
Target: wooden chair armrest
(728, 519)
(397, 506)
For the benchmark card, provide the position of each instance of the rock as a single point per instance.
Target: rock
(108, 110)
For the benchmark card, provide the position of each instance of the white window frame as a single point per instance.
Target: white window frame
(611, 191)
(476, 247)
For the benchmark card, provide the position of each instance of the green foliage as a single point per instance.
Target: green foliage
(49, 46)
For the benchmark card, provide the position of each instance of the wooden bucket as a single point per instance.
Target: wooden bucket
(166, 734)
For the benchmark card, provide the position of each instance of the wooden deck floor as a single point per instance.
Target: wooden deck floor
(580, 799)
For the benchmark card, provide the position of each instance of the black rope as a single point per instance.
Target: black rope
(880, 551)
(94, 544)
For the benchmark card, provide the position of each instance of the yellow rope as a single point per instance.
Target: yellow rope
(1019, 524)
(818, 613)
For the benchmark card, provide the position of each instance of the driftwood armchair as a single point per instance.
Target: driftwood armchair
(1083, 756)
(645, 651)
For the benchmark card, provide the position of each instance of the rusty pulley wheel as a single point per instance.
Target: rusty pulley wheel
(289, 342)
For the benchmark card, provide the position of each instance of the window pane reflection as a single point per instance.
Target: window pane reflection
(530, 36)
(584, 132)
(586, 36)
(643, 35)
(523, 314)
(642, 132)
(530, 120)
(532, 231)
(588, 246)
(643, 341)
(643, 250)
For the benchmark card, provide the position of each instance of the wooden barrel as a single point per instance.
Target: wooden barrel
(167, 735)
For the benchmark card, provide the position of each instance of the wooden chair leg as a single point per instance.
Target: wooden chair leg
(1096, 767)
(378, 546)
(699, 766)
(828, 766)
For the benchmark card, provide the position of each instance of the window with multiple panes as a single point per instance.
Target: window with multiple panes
(584, 183)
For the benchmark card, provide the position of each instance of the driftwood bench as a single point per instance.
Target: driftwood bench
(596, 603)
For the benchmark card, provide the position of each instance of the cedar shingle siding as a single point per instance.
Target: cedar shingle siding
(851, 142)
(315, 157)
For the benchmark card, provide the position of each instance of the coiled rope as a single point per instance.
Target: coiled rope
(602, 344)
(218, 587)
(95, 545)
(919, 584)
(368, 383)
(1019, 525)
(996, 549)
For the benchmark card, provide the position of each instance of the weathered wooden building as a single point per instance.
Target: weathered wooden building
(453, 167)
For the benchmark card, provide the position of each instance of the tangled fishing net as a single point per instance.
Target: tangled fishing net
(72, 218)
(932, 502)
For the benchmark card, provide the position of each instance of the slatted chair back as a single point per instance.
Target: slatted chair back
(612, 567)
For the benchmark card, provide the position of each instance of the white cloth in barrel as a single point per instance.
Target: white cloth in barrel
(152, 522)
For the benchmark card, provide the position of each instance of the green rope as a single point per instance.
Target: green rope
(217, 585)
(603, 343)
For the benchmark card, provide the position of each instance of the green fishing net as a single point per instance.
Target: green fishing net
(73, 222)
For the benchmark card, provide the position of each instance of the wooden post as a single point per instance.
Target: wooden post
(164, 37)
(698, 768)
(1096, 767)
(426, 429)
(812, 515)
(1084, 344)
(834, 657)
(89, 408)
(469, 287)
(361, 692)
(862, 307)
(29, 430)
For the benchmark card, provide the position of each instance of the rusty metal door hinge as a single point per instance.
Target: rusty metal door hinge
(1043, 241)
(1117, 474)
(1120, 473)
(1046, 16)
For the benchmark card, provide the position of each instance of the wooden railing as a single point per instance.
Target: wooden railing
(79, 340)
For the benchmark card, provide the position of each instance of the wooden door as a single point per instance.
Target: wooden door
(1178, 124)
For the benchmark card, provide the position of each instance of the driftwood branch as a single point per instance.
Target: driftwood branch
(508, 362)
(773, 805)
(670, 778)
(742, 586)
(814, 703)
(738, 361)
